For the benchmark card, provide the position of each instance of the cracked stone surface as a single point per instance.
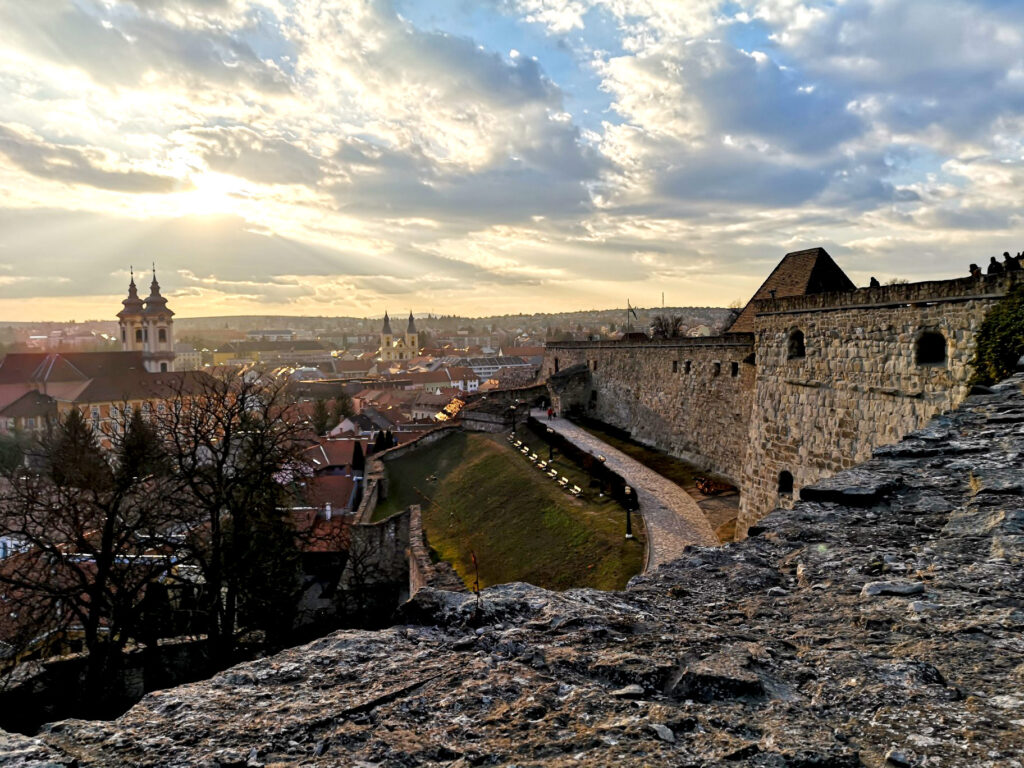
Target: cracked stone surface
(673, 519)
(768, 653)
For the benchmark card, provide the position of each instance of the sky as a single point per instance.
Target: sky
(343, 157)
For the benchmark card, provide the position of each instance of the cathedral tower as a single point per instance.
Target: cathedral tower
(130, 320)
(411, 337)
(148, 327)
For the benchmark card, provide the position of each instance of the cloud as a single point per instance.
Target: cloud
(117, 45)
(74, 165)
(343, 150)
(240, 151)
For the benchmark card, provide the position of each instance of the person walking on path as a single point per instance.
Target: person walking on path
(551, 412)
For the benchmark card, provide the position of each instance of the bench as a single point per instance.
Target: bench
(552, 473)
(564, 482)
(534, 457)
(575, 490)
(542, 465)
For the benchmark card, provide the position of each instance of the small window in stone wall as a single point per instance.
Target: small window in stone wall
(687, 367)
(735, 369)
(931, 348)
(675, 366)
(716, 369)
(796, 345)
(595, 365)
(786, 483)
(556, 365)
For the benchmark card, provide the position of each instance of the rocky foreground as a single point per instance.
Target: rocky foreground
(881, 623)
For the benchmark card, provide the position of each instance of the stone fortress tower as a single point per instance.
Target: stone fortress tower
(147, 326)
(394, 347)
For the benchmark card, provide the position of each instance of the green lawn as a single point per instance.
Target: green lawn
(478, 494)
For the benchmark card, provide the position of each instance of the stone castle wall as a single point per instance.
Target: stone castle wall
(689, 397)
(858, 386)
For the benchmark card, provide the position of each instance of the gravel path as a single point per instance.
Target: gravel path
(672, 517)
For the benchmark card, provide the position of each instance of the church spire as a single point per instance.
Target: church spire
(155, 302)
(132, 304)
(412, 324)
(387, 324)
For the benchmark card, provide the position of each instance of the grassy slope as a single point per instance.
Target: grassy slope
(521, 526)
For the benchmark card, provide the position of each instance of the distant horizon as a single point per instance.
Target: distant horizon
(380, 317)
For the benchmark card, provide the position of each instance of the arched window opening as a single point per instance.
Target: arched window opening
(735, 369)
(931, 348)
(687, 367)
(786, 483)
(796, 345)
(163, 367)
(675, 366)
(716, 369)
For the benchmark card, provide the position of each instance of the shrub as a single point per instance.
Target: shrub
(1001, 339)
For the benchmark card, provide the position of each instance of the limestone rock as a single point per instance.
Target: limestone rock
(729, 674)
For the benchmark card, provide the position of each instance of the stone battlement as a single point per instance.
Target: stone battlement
(823, 373)
(887, 296)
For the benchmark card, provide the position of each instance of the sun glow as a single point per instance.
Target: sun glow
(214, 193)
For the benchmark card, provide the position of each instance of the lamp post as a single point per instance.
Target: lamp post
(629, 509)
(512, 410)
(551, 448)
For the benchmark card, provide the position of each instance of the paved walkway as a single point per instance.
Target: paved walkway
(671, 516)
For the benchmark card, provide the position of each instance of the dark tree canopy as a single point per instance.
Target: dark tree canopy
(1000, 339)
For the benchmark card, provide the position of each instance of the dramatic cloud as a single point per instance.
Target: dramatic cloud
(323, 155)
(62, 162)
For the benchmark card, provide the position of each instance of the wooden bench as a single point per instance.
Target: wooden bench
(564, 482)
(575, 490)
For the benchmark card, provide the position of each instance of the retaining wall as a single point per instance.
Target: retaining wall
(689, 397)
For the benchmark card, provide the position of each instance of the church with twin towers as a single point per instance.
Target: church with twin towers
(147, 326)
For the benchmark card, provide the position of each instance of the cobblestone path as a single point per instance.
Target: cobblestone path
(672, 517)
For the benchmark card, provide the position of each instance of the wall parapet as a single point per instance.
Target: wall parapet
(423, 571)
(889, 296)
(375, 475)
(688, 342)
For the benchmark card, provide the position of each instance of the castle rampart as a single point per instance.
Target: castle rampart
(689, 397)
(823, 380)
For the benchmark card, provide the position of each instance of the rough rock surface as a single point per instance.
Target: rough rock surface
(767, 653)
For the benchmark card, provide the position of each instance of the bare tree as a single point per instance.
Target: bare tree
(666, 326)
(235, 446)
(90, 531)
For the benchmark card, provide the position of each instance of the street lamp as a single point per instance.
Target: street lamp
(551, 448)
(629, 509)
(512, 410)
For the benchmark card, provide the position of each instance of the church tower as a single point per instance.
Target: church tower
(158, 330)
(411, 337)
(386, 339)
(131, 321)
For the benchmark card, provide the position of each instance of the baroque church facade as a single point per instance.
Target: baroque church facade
(395, 347)
(147, 326)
